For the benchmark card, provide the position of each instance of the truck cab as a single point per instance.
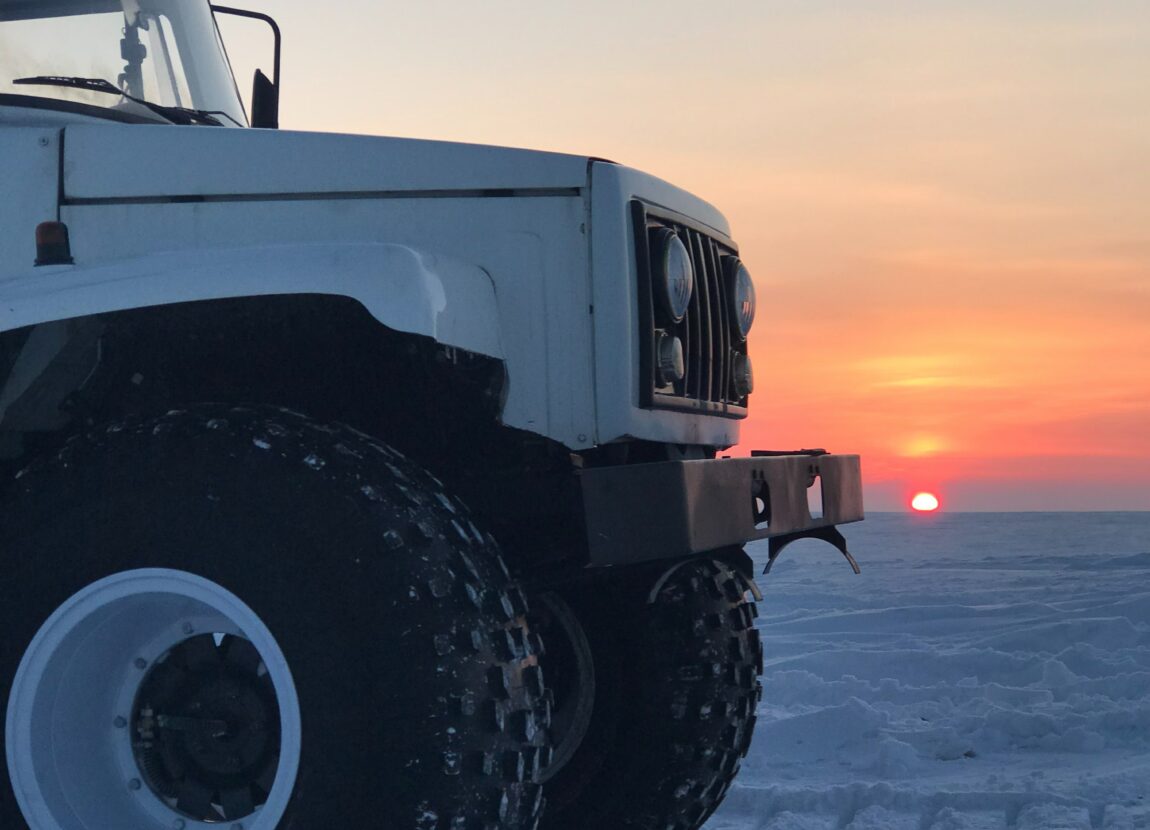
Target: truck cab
(353, 476)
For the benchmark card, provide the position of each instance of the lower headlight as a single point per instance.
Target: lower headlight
(742, 294)
(669, 352)
(743, 375)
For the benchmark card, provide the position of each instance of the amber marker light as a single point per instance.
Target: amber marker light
(52, 244)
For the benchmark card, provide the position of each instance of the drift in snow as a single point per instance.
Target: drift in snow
(360, 482)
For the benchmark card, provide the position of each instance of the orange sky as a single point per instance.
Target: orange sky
(946, 206)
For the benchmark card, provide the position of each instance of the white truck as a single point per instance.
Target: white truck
(356, 482)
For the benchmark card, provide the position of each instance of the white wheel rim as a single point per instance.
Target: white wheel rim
(69, 744)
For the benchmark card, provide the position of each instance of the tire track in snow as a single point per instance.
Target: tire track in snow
(984, 672)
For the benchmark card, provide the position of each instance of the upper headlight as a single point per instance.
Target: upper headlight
(676, 279)
(742, 294)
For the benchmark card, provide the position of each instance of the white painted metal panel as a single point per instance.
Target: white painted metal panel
(510, 237)
(29, 165)
(533, 250)
(404, 289)
(629, 183)
(615, 292)
(126, 161)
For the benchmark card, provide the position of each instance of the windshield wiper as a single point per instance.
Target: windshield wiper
(177, 115)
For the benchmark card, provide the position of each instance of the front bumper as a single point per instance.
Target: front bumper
(642, 512)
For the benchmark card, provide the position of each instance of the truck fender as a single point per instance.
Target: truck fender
(405, 289)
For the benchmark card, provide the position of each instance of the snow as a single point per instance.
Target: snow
(986, 671)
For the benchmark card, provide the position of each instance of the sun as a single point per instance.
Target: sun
(925, 502)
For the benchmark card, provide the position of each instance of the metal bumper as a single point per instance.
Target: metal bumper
(642, 512)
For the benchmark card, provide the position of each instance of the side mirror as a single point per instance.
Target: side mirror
(265, 102)
(265, 93)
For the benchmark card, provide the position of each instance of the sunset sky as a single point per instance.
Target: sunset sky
(946, 205)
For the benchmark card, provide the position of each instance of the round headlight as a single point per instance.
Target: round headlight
(742, 293)
(675, 280)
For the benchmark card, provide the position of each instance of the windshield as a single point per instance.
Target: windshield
(165, 52)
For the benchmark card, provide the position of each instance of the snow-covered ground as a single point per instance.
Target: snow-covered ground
(985, 672)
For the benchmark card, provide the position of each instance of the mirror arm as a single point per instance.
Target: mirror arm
(273, 120)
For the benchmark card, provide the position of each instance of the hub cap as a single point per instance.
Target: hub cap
(205, 730)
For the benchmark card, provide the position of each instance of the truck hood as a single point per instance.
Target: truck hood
(112, 162)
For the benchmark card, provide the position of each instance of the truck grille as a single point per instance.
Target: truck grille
(707, 331)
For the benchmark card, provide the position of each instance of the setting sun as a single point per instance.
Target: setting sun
(925, 502)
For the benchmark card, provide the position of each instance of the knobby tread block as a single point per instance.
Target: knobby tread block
(402, 550)
(687, 667)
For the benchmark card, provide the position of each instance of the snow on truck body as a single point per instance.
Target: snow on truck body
(560, 339)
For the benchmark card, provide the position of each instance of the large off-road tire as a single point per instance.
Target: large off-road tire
(233, 617)
(656, 691)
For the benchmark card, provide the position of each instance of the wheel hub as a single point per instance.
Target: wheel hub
(206, 728)
(123, 714)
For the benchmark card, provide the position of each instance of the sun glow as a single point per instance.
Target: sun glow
(922, 446)
(925, 502)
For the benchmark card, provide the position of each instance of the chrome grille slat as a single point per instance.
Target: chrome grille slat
(704, 290)
(723, 329)
(695, 332)
(719, 355)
